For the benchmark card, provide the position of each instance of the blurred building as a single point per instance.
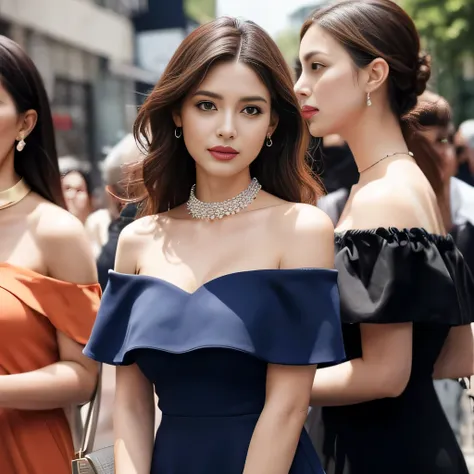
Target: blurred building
(85, 51)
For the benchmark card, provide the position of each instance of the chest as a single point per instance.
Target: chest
(190, 258)
(18, 244)
(27, 338)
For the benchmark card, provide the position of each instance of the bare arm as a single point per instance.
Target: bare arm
(456, 359)
(382, 371)
(134, 421)
(72, 380)
(134, 412)
(384, 368)
(279, 426)
(308, 237)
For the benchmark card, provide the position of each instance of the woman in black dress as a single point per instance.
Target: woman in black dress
(406, 293)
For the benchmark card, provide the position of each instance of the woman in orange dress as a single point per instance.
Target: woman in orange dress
(48, 284)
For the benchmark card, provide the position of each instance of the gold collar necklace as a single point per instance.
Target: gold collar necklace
(14, 195)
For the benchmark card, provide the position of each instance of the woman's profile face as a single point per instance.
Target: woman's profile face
(226, 119)
(328, 89)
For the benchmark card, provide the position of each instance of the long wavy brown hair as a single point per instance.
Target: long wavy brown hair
(168, 171)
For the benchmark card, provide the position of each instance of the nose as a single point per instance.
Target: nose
(301, 89)
(227, 128)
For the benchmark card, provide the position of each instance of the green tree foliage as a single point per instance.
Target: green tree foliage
(289, 42)
(447, 26)
(447, 31)
(201, 11)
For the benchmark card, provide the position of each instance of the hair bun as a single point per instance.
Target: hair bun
(423, 73)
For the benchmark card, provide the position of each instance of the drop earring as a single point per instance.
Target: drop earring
(21, 144)
(369, 101)
(178, 132)
(269, 141)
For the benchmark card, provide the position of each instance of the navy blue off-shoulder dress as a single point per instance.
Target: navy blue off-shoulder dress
(207, 353)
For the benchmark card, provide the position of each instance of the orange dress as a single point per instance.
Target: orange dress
(32, 308)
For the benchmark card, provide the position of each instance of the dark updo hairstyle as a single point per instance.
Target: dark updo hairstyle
(169, 171)
(370, 29)
(38, 162)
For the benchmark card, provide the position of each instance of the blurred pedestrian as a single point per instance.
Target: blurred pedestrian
(457, 198)
(406, 294)
(209, 302)
(464, 141)
(48, 283)
(77, 192)
(104, 225)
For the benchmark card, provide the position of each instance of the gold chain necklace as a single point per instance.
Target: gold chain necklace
(14, 195)
(409, 153)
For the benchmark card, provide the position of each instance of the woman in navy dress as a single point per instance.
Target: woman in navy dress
(224, 297)
(406, 293)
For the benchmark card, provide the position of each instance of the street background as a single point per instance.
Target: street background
(100, 58)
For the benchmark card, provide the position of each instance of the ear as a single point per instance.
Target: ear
(274, 119)
(177, 118)
(27, 123)
(377, 73)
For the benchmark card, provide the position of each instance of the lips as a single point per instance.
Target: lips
(307, 111)
(223, 153)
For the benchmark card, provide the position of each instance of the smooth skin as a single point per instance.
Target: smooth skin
(393, 193)
(42, 237)
(270, 233)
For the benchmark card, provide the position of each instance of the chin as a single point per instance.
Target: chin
(319, 128)
(225, 169)
(318, 132)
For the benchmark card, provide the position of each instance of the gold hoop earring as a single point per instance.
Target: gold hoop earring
(369, 101)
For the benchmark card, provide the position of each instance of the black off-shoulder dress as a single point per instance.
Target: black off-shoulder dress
(396, 276)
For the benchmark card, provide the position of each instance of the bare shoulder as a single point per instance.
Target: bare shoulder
(132, 240)
(307, 237)
(64, 244)
(393, 203)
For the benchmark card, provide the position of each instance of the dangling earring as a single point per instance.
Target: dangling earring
(21, 144)
(369, 102)
(178, 132)
(269, 141)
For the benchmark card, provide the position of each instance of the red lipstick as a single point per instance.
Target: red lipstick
(223, 153)
(307, 111)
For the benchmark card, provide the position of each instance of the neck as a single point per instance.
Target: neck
(217, 188)
(369, 141)
(8, 176)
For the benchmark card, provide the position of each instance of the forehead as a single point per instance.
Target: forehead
(318, 40)
(234, 79)
(74, 179)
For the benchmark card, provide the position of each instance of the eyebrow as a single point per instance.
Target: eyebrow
(213, 95)
(311, 54)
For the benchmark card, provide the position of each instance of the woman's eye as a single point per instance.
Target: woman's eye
(252, 110)
(316, 66)
(206, 106)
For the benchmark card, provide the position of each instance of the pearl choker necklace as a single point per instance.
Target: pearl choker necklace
(217, 210)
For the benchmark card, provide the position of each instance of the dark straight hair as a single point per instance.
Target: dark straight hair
(168, 171)
(370, 29)
(38, 162)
